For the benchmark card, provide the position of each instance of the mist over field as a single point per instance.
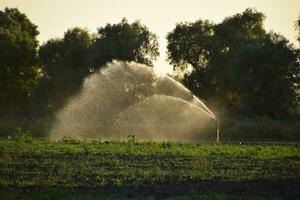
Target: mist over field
(130, 99)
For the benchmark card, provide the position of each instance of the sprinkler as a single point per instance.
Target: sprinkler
(218, 132)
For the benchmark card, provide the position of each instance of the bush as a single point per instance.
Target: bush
(263, 128)
(23, 136)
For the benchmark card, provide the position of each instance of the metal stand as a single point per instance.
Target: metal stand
(218, 132)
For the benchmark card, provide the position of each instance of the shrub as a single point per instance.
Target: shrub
(22, 135)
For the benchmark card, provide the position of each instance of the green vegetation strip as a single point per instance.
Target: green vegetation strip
(74, 163)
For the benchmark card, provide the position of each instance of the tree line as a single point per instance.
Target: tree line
(237, 66)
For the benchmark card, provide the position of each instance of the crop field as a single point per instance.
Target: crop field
(94, 169)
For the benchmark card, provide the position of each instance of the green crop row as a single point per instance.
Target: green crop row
(94, 163)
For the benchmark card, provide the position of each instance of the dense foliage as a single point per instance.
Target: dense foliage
(237, 65)
(124, 41)
(19, 69)
(64, 64)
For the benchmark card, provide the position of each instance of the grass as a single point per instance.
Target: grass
(147, 169)
(71, 194)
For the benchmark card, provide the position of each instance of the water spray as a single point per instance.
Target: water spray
(210, 114)
(105, 108)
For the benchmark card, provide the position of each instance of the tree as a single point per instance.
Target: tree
(76, 44)
(222, 56)
(70, 52)
(265, 75)
(189, 44)
(19, 68)
(124, 41)
(64, 64)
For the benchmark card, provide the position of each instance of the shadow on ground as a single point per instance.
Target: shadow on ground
(215, 189)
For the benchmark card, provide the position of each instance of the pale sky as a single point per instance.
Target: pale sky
(54, 17)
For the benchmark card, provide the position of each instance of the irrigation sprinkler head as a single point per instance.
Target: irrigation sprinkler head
(218, 132)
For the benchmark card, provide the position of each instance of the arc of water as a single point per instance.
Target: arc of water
(208, 111)
(195, 106)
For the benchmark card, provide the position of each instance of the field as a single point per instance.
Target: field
(93, 169)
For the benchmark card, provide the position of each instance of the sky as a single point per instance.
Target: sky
(54, 17)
